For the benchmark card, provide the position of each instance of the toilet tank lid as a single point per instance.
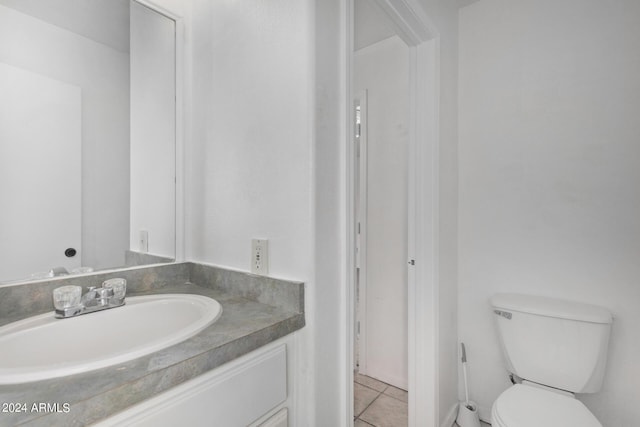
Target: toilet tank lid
(551, 307)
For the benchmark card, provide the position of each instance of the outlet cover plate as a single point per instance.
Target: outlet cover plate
(260, 256)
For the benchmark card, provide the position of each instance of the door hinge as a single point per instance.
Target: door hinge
(412, 262)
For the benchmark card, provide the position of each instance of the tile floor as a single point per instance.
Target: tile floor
(379, 404)
(482, 424)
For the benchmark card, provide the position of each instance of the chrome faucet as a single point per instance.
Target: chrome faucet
(96, 297)
(110, 295)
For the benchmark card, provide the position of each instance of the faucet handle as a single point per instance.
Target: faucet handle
(118, 286)
(66, 297)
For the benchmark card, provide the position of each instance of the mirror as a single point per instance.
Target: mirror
(87, 136)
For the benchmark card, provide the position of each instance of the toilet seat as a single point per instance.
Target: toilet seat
(528, 406)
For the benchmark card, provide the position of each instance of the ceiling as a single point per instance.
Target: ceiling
(463, 3)
(103, 21)
(371, 24)
(107, 21)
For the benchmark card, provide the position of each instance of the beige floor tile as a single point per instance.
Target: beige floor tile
(362, 397)
(360, 423)
(370, 382)
(397, 393)
(482, 424)
(386, 411)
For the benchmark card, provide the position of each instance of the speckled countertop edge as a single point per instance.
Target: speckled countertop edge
(245, 325)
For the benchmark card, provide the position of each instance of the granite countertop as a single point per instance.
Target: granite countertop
(247, 323)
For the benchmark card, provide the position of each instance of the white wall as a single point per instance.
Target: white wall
(329, 351)
(549, 172)
(250, 153)
(153, 131)
(102, 73)
(444, 16)
(382, 69)
(254, 165)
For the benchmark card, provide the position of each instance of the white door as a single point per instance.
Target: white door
(40, 173)
(382, 69)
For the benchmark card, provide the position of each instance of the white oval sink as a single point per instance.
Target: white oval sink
(43, 347)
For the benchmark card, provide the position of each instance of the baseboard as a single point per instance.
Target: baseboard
(451, 416)
(485, 414)
(397, 382)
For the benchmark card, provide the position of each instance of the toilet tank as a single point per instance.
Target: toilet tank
(553, 342)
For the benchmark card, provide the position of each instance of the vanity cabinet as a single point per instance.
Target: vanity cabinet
(279, 419)
(240, 393)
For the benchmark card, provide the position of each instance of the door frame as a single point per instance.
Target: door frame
(413, 26)
(180, 115)
(360, 205)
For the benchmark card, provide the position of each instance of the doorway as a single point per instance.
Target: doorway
(381, 138)
(411, 26)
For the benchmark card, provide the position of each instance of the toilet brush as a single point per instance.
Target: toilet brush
(467, 411)
(463, 351)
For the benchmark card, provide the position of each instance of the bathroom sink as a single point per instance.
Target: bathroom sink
(42, 347)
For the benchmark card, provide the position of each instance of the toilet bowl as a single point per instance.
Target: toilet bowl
(554, 348)
(525, 405)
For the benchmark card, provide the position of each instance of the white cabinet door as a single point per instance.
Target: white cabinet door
(230, 396)
(40, 173)
(280, 419)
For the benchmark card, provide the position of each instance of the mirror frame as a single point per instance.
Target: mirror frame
(180, 120)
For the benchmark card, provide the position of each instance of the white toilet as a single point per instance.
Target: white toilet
(553, 348)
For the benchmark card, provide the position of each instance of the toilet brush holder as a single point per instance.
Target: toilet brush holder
(468, 415)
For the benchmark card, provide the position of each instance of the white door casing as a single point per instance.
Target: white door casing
(414, 28)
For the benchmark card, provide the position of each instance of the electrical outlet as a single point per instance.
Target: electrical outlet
(144, 241)
(260, 256)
